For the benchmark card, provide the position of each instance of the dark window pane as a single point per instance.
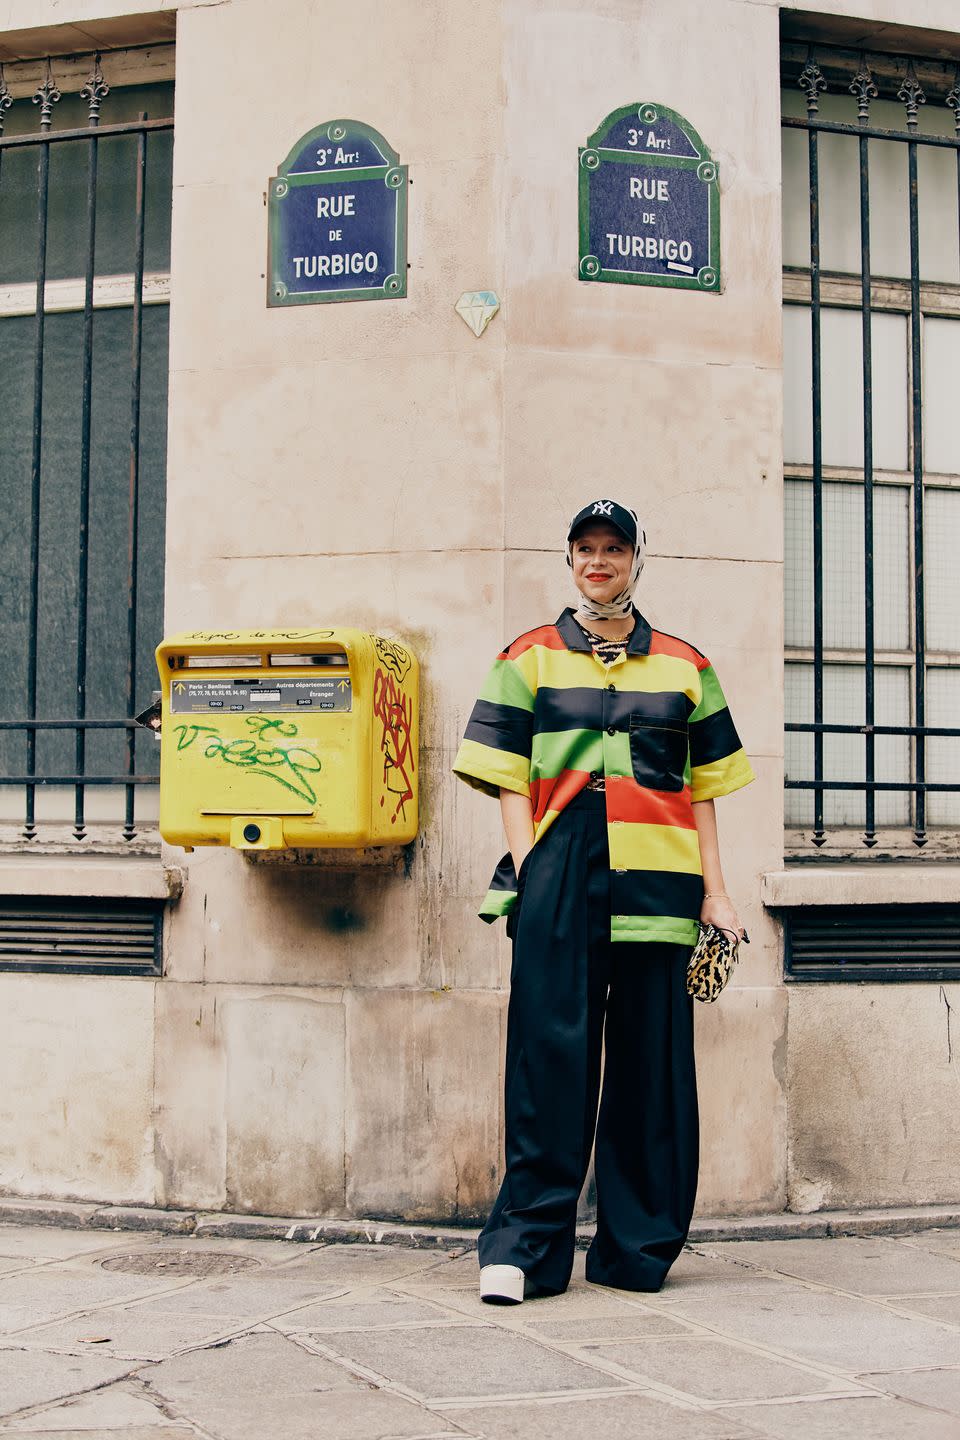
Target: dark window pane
(59, 530)
(67, 198)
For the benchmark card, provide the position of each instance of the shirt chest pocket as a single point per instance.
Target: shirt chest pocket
(659, 742)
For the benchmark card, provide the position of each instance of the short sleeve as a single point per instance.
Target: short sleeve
(495, 751)
(718, 763)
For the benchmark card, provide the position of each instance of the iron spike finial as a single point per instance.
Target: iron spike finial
(46, 97)
(864, 87)
(6, 99)
(953, 99)
(911, 93)
(95, 91)
(811, 81)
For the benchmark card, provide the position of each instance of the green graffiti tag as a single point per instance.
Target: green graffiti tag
(289, 765)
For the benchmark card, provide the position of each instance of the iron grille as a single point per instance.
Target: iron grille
(105, 582)
(872, 942)
(100, 937)
(864, 77)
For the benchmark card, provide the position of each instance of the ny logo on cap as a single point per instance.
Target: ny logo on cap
(603, 507)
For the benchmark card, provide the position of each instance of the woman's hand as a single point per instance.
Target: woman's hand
(720, 910)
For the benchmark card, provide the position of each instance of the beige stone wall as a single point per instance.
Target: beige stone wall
(329, 1041)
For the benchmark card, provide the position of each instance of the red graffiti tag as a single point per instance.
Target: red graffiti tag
(394, 710)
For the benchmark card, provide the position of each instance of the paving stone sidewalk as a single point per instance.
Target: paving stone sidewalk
(160, 1337)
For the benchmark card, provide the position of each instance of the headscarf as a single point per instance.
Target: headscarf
(621, 605)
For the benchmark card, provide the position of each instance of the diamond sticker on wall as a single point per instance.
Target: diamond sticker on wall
(477, 308)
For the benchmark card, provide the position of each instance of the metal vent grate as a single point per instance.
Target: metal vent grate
(102, 937)
(873, 942)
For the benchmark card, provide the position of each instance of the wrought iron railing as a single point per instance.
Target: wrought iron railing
(31, 724)
(858, 74)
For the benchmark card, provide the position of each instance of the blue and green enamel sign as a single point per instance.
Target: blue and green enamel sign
(649, 202)
(337, 211)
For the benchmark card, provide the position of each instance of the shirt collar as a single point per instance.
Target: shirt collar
(574, 638)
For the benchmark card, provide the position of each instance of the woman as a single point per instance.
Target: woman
(607, 743)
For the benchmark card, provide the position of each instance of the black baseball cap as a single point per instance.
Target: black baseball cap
(606, 512)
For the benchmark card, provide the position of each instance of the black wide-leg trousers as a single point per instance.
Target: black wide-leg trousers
(576, 997)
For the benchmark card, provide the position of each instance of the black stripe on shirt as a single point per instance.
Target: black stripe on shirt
(713, 738)
(579, 707)
(656, 892)
(502, 727)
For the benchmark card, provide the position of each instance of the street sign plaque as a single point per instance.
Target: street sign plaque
(338, 219)
(649, 202)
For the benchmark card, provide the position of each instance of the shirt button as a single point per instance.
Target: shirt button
(611, 729)
(612, 689)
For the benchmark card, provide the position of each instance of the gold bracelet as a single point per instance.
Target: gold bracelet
(719, 895)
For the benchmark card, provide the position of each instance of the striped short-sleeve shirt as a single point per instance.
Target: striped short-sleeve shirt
(654, 724)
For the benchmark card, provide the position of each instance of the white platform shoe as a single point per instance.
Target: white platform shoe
(501, 1284)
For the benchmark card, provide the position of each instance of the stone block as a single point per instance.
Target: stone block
(874, 1089)
(465, 1361)
(836, 1331)
(937, 1388)
(259, 1384)
(855, 1416)
(250, 1099)
(284, 1102)
(34, 1378)
(117, 1407)
(67, 1128)
(616, 1417)
(688, 468)
(700, 1367)
(740, 1041)
(276, 923)
(340, 503)
(373, 1310)
(47, 1293)
(190, 1096)
(875, 1266)
(423, 1103)
(131, 1333)
(611, 1327)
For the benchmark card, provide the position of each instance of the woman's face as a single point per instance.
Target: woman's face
(602, 560)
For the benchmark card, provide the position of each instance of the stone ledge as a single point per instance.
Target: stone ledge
(114, 879)
(881, 884)
(215, 1225)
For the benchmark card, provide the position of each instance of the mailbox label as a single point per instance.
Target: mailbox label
(215, 697)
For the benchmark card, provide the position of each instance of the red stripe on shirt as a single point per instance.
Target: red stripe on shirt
(661, 644)
(556, 791)
(546, 635)
(626, 800)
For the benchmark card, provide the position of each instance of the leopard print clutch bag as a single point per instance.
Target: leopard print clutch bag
(712, 960)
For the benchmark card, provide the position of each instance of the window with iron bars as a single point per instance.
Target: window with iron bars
(871, 202)
(85, 190)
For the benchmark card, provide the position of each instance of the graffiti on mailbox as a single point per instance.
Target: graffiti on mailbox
(392, 655)
(260, 754)
(394, 710)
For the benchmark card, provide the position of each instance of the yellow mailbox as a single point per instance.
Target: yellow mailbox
(277, 738)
